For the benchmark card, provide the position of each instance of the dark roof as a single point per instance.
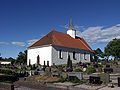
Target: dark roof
(62, 39)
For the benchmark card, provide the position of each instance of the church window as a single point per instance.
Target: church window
(38, 59)
(74, 55)
(60, 54)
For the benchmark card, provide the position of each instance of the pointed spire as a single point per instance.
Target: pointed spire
(71, 27)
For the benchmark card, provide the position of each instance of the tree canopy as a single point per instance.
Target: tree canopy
(113, 49)
(22, 57)
(99, 53)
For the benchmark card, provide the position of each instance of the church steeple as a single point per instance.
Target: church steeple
(71, 30)
(71, 27)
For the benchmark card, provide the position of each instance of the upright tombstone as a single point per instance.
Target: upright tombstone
(107, 69)
(105, 78)
(95, 80)
(48, 71)
(30, 73)
(118, 81)
(79, 75)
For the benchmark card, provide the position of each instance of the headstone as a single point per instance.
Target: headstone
(95, 80)
(99, 69)
(118, 81)
(105, 78)
(79, 75)
(71, 78)
(36, 73)
(108, 70)
(108, 66)
(48, 71)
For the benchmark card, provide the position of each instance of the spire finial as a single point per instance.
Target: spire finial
(71, 27)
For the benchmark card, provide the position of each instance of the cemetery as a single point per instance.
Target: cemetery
(90, 74)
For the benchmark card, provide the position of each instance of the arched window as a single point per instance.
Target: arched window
(74, 56)
(38, 59)
(60, 54)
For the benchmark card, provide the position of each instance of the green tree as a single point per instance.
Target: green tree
(69, 63)
(12, 60)
(22, 57)
(113, 49)
(98, 54)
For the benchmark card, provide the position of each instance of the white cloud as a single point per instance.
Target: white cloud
(100, 34)
(4, 43)
(21, 44)
(30, 42)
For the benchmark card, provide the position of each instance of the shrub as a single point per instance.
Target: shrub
(75, 81)
(90, 69)
(62, 79)
(78, 70)
(7, 71)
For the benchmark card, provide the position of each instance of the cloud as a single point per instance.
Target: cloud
(4, 43)
(30, 42)
(21, 44)
(100, 34)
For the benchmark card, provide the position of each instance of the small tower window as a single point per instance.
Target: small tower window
(60, 54)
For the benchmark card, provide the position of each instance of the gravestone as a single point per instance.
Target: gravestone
(107, 69)
(79, 75)
(118, 81)
(71, 78)
(95, 80)
(30, 73)
(107, 66)
(48, 71)
(105, 78)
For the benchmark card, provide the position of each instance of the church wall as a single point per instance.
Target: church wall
(79, 54)
(44, 53)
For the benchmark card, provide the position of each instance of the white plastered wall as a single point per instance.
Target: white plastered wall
(44, 53)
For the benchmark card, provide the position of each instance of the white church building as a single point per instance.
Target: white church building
(55, 47)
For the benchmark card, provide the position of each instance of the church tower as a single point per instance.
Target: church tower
(71, 30)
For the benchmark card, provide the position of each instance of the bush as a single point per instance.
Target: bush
(7, 71)
(75, 81)
(90, 69)
(78, 70)
(62, 79)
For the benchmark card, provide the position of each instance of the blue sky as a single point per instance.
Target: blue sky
(24, 21)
